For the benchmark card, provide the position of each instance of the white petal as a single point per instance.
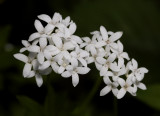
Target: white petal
(105, 90)
(115, 36)
(129, 80)
(66, 74)
(55, 67)
(76, 39)
(120, 46)
(114, 45)
(121, 82)
(98, 66)
(101, 60)
(107, 80)
(67, 55)
(61, 69)
(90, 60)
(49, 28)
(39, 80)
(103, 71)
(67, 33)
(52, 49)
(83, 70)
(27, 70)
(45, 18)
(143, 70)
(135, 64)
(130, 89)
(139, 77)
(35, 42)
(109, 73)
(120, 62)
(45, 65)
(74, 62)
(34, 48)
(22, 50)
(72, 28)
(86, 39)
(115, 91)
(111, 57)
(35, 64)
(121, 93)
(38, 25)
(21, 57)
(40, 57)
(104, 33)
(69, 68)
(142, 86)
(125, 55)
(134, 90)
(25, 43)
(114, 67)
(93, 50)
(34, 36)
(100, 44)
(43, 42)
(75, 79)
(68, 46)
(66, 20)
(83, 54)
(32, 74)
(83, 62)
(47, 55)
(57, 41)
(56, 17)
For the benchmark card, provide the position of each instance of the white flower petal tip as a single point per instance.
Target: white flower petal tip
(38, 25)
(21, 57)
(75, 79)
(105, 90)
(39, 80)
(45, 18)
(34, 36)
(104, 32)
(121, 93)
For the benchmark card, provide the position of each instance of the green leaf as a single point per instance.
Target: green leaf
(32, 107)
(151, 96)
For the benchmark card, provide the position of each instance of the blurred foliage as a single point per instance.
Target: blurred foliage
(138, 19)
(151, 97)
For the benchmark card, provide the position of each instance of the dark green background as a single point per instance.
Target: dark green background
(138, 19)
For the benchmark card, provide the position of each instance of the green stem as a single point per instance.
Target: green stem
(88, 98)
(115, 106)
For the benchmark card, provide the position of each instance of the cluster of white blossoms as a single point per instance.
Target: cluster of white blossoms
(54, 47)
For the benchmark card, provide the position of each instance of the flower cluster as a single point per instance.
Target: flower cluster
(55, 47)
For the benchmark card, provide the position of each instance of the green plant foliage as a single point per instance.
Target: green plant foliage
(32, 107)
(49, 105)
(151, 97)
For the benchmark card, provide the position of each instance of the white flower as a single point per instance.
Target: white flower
(121, 55)
(38, 73)
(74, 71)
(110, 86)
(125, 87)
(54, 47)
(79, 55)
(137, 72)
(110, 41)
(28, 62)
